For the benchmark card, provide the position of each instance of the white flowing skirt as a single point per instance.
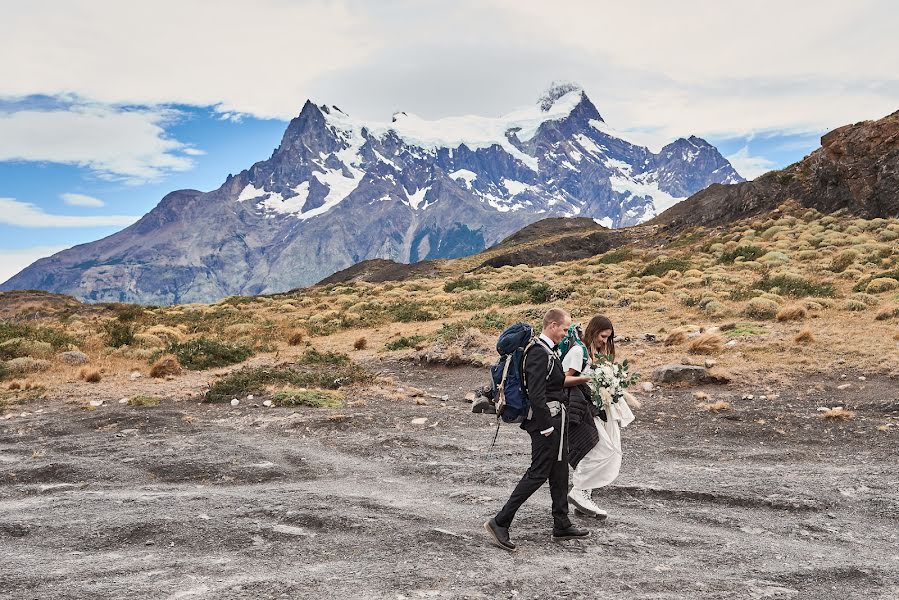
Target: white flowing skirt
(602, 464)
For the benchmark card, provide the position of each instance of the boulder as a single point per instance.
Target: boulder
(73, 357)
(688, 374)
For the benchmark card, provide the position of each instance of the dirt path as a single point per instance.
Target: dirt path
(182, 500)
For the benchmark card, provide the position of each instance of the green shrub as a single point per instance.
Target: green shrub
(314, 357)
(490, 322)
(128, 312)
(407, 312)
(4, 371)
(463, 283)
(56, 338)
(660, 267)
(842, 261)
(203, 353)
(615, 256)
(255, 380)
(794, 286)
(881, 284)
(863, 284)
(310, 398)
(540, 293)
(747, 253)
(761, 308)
(404, 342)
(521, 285)
(118, 333)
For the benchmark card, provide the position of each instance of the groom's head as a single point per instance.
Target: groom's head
(556, 322)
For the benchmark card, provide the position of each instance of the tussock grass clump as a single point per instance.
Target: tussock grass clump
(203, 353)
(706, 343)
(837, 414)
(676, 338)
(360, 344)
(761, 308)
(714, 407)
(144, 401)
(295, 338)
(257, 380)
(90, 375)
(407, 312)
(891, 311)
(309, 398)
(843, 260)
(165, 366)
(804, 337)
(854, 305)
(862, 285)
(793, 312)
(881, 284)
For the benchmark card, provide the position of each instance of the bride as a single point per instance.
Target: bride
(596, 463)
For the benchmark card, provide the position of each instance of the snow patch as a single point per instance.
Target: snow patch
(465, 175)
(605, 222)
(661, 201)
(417, 198)
(250, 192)
(514, 187)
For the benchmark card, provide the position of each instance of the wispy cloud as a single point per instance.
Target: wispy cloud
(129, 145)
(13, 260)
(748, 166)
(24, 214)
(82, 200)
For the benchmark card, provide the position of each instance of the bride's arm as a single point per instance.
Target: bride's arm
(573, 378)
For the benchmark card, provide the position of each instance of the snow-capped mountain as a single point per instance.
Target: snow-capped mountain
(337, 191)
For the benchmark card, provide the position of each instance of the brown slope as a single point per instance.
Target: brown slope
(856, 168)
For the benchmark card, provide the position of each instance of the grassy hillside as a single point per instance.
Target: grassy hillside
(794, 290)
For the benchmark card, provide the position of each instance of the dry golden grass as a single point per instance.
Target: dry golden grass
(838, 413)
(715, 407)
(676, 338)
(165, 366)
(14, 385)
(295, 338)
(804, 337)
(360, 344)
(706, 343)
(794, 312)
(90, 375)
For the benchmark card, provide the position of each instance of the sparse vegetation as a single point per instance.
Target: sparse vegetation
(616, 256)
(203, 353)
(804, 337)
(118, 333)
(144, 401)
(310, 398)
(165, 366)
(360, 344)
(463, 283)
(258, 380)
(744, 253)
(403, 342)
(794, 286)
(661, 267)
(90, 375)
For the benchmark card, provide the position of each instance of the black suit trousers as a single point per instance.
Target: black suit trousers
(544, 466)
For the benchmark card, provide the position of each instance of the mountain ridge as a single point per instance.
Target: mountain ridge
(337, 191)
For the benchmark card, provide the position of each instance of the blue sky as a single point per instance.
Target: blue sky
(111, 105)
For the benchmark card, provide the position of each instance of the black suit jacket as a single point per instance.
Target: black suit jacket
(545, 381)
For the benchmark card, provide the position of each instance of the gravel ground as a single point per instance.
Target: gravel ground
(182, 500)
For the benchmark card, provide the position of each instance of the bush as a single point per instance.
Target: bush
(118, 333)
(165, 366)
(843, 260)
(295, 338)
(853, 305)
(255, 380)
(887, 312)
(310, 398)
(4, 371)
(314, 357)
(490, 322)
(791, 313)
(360, 344)
(881, 284)
(144, 401)
(761, 308)
(90, 375)
(404, 342)
(463, 283)
(54, 337)
(616, 256)
(407, 312)
(541, 293)
(804, 337)
(203, 353)
(661, 267)
(862, 285)
(747, 253)
(520, 285)
(794, 286)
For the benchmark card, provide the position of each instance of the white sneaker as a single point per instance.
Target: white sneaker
(583, 503)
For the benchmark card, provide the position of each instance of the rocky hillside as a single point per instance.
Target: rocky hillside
(338, 191)
(856, 168)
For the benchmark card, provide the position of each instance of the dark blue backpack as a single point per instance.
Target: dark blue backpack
(509, 392)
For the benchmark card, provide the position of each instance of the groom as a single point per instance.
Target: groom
(543, 380)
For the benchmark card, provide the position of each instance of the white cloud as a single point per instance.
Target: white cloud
(748, 166)
(13, 260)
(82, 200)
(117, 143)
(24, 214)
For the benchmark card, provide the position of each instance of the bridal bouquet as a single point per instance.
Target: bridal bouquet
(609, 380)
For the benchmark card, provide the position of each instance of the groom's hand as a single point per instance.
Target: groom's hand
(548, 432)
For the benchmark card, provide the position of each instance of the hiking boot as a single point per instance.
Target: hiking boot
(499, 536)
(583, 503)
(569, 533)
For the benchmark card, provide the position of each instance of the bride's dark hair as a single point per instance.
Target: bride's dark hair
(598, 324)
